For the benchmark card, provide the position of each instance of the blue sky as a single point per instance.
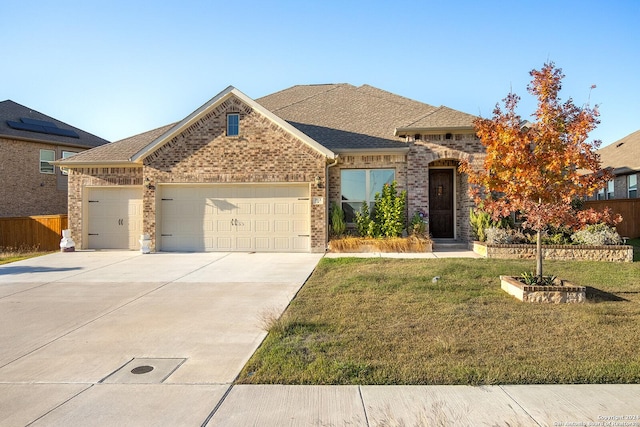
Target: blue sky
(117, 68)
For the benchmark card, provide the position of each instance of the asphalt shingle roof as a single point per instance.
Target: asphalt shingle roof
(337, 116)
(14, 112)
(343, 116)
(444, 117)
(119, 151)
(623, 155)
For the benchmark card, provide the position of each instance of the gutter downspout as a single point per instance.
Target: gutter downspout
(326, 197)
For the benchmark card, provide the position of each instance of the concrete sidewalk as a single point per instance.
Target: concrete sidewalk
(527, 405)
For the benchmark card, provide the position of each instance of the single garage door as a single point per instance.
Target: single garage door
(235, 218)
(114, 217)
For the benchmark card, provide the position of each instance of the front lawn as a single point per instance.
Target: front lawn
(385, 321)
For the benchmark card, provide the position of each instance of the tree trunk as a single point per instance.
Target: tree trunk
(539, 255)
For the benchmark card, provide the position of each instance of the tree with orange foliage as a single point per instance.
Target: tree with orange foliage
(538, 168)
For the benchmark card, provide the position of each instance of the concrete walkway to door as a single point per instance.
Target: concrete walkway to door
(74, 326)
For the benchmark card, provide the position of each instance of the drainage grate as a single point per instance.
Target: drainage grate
(144, 371)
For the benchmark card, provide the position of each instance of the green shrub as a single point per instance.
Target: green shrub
(597, 235)
(388, 218)
(389, 211)
(338, 224)
(480, 221)
(364, 223)
(417, 226)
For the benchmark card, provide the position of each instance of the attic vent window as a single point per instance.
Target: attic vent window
(233, 124)
(41, 126)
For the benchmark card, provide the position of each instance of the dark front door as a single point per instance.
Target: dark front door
(441, 203)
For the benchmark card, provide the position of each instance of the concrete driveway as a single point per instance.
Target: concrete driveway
(73, 327)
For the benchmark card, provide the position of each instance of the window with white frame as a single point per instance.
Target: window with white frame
(47, 156)
(610, 189)
(233, 124)
(65, 155)
(600, 195)
(360, 186)
(632, 186)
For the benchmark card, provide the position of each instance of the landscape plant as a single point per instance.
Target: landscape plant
(338, 224)
(418, 225)
(538, 168)
(388, 218)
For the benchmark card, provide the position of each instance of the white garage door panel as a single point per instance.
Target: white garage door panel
(114, 217)
(235, 218)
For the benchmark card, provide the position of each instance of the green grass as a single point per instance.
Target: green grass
(10, 255)
(383, 321)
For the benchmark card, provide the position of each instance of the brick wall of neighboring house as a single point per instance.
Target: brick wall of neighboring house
(263, 152)
(81, 178)
(25, 191)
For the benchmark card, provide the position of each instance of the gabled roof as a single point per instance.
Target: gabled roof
(133, 150)
(623, 155)
(443, 118)
(20, 122)
(343, 117)
(213, 103)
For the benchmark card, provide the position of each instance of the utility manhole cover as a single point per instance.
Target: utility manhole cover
(142, 369)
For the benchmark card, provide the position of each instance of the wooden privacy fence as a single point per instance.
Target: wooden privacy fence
(42, 232)
(628, 208)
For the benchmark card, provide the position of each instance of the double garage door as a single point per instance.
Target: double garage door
(203, 218)
(234, 218)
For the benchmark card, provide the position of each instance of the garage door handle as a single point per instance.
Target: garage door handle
(164, 200)
(94, 234)
(94, 201)
(166, 235)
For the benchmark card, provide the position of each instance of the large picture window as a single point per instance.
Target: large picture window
(47, 156)
(360, 186)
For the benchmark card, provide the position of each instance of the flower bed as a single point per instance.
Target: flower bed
(391, 244)
(610, 253)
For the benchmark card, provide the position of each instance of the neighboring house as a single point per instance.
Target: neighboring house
(623, 158)
(240, 174)
(29, 141)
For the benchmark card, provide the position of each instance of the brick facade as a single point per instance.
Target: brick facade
(25, 191)
(202, 153)
(412, 172)
(81, 178)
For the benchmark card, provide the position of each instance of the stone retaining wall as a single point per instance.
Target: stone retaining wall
(618, 253)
